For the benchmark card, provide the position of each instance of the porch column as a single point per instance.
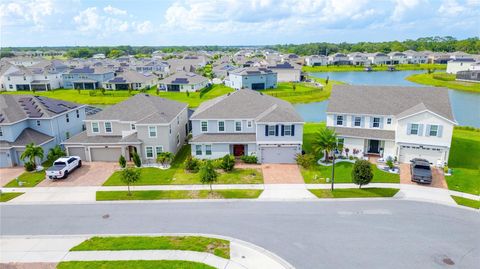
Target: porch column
(30, 86)
(46, 87)
(83, 84)
(94, 86)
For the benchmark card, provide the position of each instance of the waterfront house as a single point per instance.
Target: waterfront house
(87, 77)
(254, 78)
(183, 81)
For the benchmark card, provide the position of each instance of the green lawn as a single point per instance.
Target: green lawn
(444, 80)
(354, 193)
(29, 179)
(163, 264)
(349, 68)
(165, 195)
(309, 131)
(319, 173)
(7, 196)
(218, 247)
(466, 202)
(304, 92)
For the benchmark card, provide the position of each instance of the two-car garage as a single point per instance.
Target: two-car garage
(432, 154)
(96, 154)
(279, 153)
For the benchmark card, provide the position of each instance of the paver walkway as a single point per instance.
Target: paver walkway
(438, 178)
(282, 174)
(7, 174)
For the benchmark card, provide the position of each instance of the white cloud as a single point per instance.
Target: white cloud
(402, 6)
(144, 27)
(114, 11)
(451, 8)
(27, 12)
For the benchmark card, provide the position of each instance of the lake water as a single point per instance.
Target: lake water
(465, 105)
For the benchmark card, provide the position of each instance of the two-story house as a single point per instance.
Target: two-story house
(398, 58)
(287, 72)
(247, 122)
(393, 122)
(145, 124)
(339, 59)
(254, 78)
(378, 58)
(87, 77)
(43, 121)
(316, 60)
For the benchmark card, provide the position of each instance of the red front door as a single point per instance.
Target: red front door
(238, 150)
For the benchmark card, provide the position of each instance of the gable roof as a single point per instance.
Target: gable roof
(184, 78)
(143, 109)
(389, 100)
(247, 104)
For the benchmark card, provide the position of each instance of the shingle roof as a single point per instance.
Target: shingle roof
(365, 133)
(247, 104)
(389, 100)
(184, 78)
(244, 71)
(83, 138)
(142, 108)
(27, 136)
(227, 138)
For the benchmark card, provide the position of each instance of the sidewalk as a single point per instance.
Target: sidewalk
(54, 249)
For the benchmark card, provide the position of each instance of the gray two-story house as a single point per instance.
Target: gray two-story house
(87, 77)
(145, 124)
(43, 121)
(247, 122)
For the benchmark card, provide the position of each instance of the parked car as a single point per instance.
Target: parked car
(63, 166)
(421, 171)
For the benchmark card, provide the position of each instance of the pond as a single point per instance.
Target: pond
(465, 105)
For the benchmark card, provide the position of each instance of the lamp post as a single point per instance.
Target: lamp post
(333, 167)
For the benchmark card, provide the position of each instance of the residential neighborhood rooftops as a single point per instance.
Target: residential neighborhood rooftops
(251, 71)
(389, 100)
(184, 78)
(247, 104)
(27, 136)
(142, 109)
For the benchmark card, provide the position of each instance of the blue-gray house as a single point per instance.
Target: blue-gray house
(43, 121)
(87, 77)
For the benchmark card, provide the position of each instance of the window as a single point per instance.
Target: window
(238, 126)
(389, 121)
(376, 123)
(178, 120)
(67, 118)
(414, 129)
(249, 124)
(339, 120)
(38, 123)
(67, 135)
(204, 126)
(10, 86)
(1, 131)
(158, 149)
(221, 126)
(433, 130)
(208, 149)
(149, 152)
(271, 130)
(198, 149)
(152, 131)
(95, 128)
(357, 121)
(108, 127)
(178, 139)
(287, 130)
(132, 127)
(169, 129)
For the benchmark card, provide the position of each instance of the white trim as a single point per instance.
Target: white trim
(224, 126)
(149, 133)
(201, 126)
(153, 152)
(426, 110)
(249, 122)
(235, 126)
(98, 127)
(156, 152)
(105, 127)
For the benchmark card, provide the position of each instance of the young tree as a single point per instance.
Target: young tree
(208, 175)
(325, 140)
(55, 153)
(362, 173)
(32, 152)
(130, 175)
(122, 162)
(136, 159)
(228, 163)
(164, 158)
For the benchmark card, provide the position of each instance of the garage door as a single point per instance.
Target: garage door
(77, 151)
(410, 152)
(4, 162)
(105, 154)
(278, 154)
(258, 86)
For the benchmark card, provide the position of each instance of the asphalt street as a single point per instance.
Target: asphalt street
(324, 234)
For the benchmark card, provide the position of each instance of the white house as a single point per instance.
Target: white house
(287, 72)
(316, 60)
(183, 81)
(378, 58)
(461, 64)
(358, 58)
(254, 78)
(393, 122)
(338, 59)
(415, 57)
(398, 57)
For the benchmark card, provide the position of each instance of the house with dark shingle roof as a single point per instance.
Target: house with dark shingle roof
(247, 122)
(43, 121)
(131, 80)
(87, 77)
(145, 124)
(183, 81)
(393, 122)
(254, 78)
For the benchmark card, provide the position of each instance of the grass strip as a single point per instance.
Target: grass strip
(162, 264)
(180, 194)
(466, 202)
(354, 193)
(7, 196)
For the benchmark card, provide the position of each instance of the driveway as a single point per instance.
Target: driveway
(438, 178)
(281, 174)
(7, 174)
(90, 174)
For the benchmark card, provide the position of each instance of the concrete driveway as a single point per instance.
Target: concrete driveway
(7, 174)
(438, 178)
(90, 174)
(281, 174)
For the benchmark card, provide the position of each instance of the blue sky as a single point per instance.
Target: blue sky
(231, 22)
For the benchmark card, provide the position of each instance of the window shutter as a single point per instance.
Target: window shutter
(283, 130)
(362, 122)
(345, 120)
(440, 130)
(293, 130)
(371, 122)
(409, 129)
(266, 130)
(276, 130)
(334, 119)
(427, 130)
(381, 123)
(353, 121)
(420, 130)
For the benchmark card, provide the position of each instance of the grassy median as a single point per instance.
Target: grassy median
(215, 246)
(163, 264)
(181, 195)
(354, 193)
(466, 202)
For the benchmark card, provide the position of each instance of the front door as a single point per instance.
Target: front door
(131, 151)
(374, 146)
(238, 150)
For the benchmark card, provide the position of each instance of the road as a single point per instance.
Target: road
(324, 234)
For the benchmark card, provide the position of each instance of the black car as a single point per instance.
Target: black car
(421, 171)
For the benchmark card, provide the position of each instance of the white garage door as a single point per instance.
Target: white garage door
(278, 154)
(77, 151)
(410, 152)
(105, 154)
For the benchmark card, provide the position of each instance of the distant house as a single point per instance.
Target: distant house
(469, 75)
(20, 78)
(458, 55)
(43, 121)
(438, 58)
(316, 60)
(151, 66)
(398, 58)
(358, 58)
(131, 80)
(247, 122)
(414, 57)
(222, 70)
(338, 59)
(254, 78)
(287, 72)
(183, 81)
(25, 61)
(87, 77)
(461, 64)
(143, 124)
(378, 58)
(99, 56)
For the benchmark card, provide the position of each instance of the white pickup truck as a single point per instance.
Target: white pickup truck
(63, 166)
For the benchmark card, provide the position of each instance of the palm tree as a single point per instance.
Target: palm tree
(32, 152)
(55, 153)
(164, 158)
(325, 140)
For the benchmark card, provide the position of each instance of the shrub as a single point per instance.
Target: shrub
(306, 160)
(208, 175)
(136, 160)
(228, 163)
(390, 163)
(249, 159)
(122, 162)
(29, 166)
(192, 164)
(217, 163)
(362, 173)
